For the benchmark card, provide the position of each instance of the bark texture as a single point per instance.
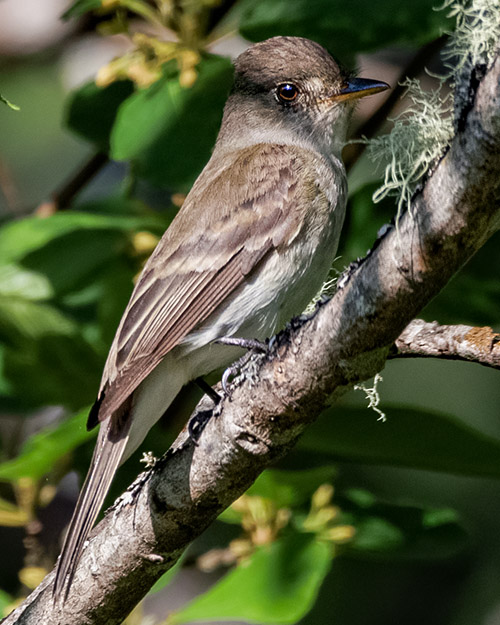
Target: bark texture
(460, 342)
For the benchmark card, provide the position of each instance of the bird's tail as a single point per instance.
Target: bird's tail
(108, 453)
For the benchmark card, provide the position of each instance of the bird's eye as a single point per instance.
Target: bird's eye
(287, 92)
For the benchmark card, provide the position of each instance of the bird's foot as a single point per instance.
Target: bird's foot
(197, 424)
(249, 344)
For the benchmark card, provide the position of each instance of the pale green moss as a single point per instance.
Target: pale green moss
(417, 139)
(372, 395)
(422, 133)
(475, 39)
(327, 290)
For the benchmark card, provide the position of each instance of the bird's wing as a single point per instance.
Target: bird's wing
(231, 220)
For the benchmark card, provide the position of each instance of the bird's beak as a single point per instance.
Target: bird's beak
(356, 88)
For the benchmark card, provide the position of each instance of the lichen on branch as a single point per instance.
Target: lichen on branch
(424, 131)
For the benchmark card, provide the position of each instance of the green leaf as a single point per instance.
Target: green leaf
(14, 107)
(122, 205)
(337, 25)
(376, 534)
(73, 261)
(168, 131)
(291, 488)
(54, 281)
(22, 319)
(278, 585)
(80, 7)
(44, 346)
(168, 576)
(15, 281)
(113, 293)
(20, 238)
(92, 110)
(5, 601)
(287, 489)
(6, 388)
(409, 438)
(402, 532)
(41, 451)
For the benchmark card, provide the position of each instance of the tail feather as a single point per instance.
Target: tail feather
(108, 453)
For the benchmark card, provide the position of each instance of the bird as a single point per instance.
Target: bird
(250, 247)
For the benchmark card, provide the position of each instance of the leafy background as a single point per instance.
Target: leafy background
(365, 521)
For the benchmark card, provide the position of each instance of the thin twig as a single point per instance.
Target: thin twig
(63, 197)
(457, 342)
(8, 187)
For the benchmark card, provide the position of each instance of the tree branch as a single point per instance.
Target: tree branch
(460, 342)
(63, 197)
(308, 366)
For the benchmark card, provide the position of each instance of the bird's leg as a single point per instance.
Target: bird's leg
(208, 390)
(197, 424)
(249, 344)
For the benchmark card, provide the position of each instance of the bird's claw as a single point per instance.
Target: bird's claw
(197, 424)
(249, 344)
(229, 373)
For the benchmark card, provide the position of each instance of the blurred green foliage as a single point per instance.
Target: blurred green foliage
(278, 584)
(167, 114)
(65, 280)
(344, 28)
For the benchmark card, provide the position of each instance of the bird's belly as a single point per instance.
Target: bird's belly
(279, 290)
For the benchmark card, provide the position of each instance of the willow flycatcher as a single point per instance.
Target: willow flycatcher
(250, 247)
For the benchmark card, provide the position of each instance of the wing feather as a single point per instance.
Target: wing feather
(234, 216)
